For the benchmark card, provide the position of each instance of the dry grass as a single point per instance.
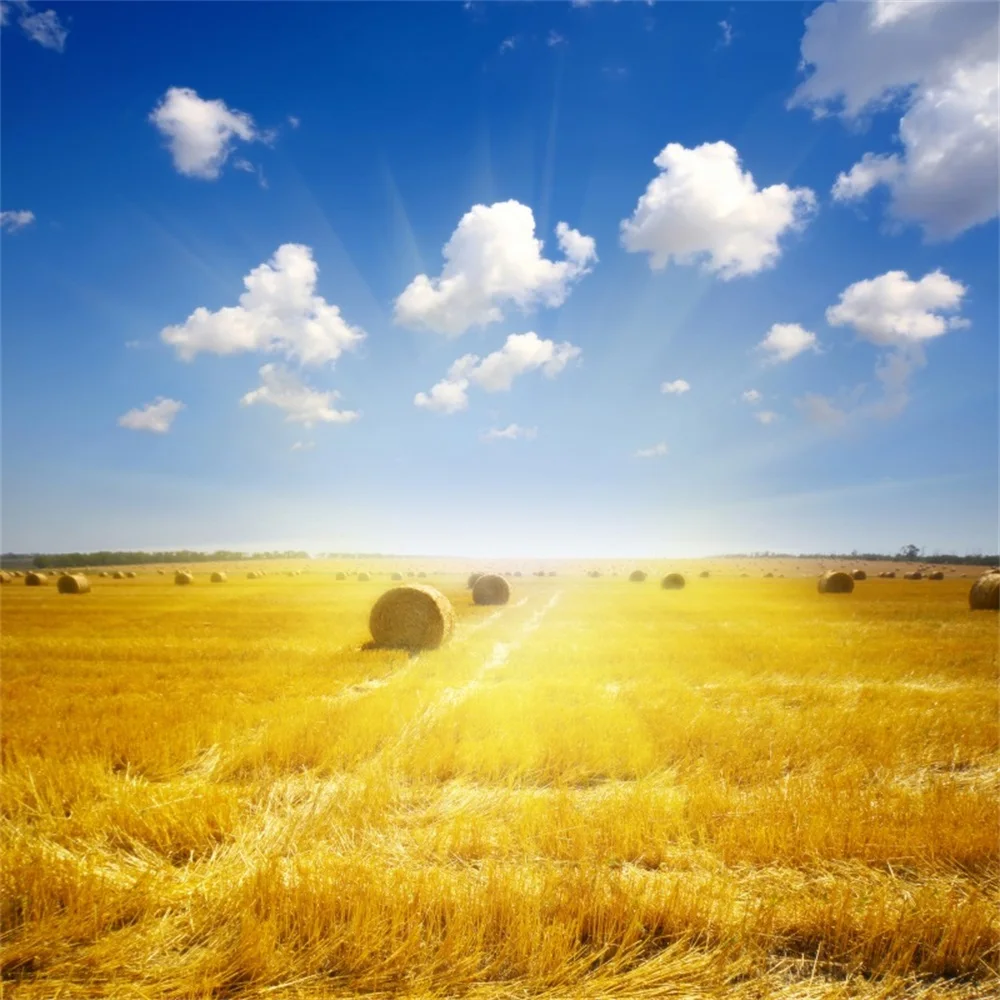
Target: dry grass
(598, 790)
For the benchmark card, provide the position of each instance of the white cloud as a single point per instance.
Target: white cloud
(248, 168)
(200, 133)
(703, 207)
(676, 387)
(785, 341)
(752, 396)
(43, 27)
(11, 222)
(939, 63)
(294, 121)
(279, 312)
(891, 310)
(4, 10)
(493, 259)
(510, 433)
(765, 417)
(821, 410)
(657, 451)
(554, 38)
(521, 353)
(156, 416)
(727, 34)
(302, 404)
(508, 44)
(303, 446)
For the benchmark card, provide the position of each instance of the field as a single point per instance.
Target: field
(602, 789)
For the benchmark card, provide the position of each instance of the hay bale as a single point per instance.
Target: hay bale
(768, 576)
(637, 576)
(936, 575)
(471, 582)
(859, 574)
(130, 575)
(491, 589)
(341, 576)
(364, 577)
(552, 572)
(253, 575)
(118, 575)
(421, 575)
(103, 572)
(218, 577)
(985, 592)
(413, 616)
(835, 582)
(182, 578)
(161, 572)
(396, 576)
(915, 575)
(73, 583)
(5, 577)
(33, 579)
(594, 574)
(704, 574)
(672, 581)
(517, 572)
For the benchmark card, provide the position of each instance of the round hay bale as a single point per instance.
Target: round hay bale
(103, 572)
(835, 582)
(491, 589)
(411, 573)
(33, 579)
(517, 572)
(637, 576)
(253, 575)
(936, 575)
(182, 578)
(161, 572)
(413, 616)
(672, 581)
(218, 577)
(341, 576)
(594, 574)
(130, 575)
(118, 575)
(396, 576)
(421, 575)
(768, 576)
(704, 574)
(5, 577)
(73, 583)
(364, 577)
(859, 574)
(552, 572)
(985, 592)
(471, 582)
(915, 575)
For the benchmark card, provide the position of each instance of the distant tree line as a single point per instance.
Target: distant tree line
(908, 553)
(71, 559)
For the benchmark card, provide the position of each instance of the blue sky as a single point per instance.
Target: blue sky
(785, 213)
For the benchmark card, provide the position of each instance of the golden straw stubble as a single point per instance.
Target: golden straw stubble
(413, 616)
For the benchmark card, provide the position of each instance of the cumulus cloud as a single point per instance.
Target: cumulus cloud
(43, 27)
(491, 260)
(279, 312)
(891, 310)
(302, 405)
(656, 451)
(510, 433)
(11, 222)
(785, 341)
(703, 207)
(156, 416)
(752, 396)
(676, 387)
(521, 353)
(200, 133)
(938, 62)
(765, 417)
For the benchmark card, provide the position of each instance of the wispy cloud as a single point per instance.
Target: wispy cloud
(751, 396)
(656, 451)
(294, 121)
(508, 44)
(765, 416)
(303, 446)
(11, 222)
(554, 39)
(43, 27)
(510, 433)
(727, 34)
(155, 417)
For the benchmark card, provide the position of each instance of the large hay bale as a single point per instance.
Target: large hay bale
(835, 582)
(859, 574)
(218, 577)
(341, 576)
(985, 592)
(413, 616)
(5, 577)
(182, 578)
(915, 575)
(672, 581)
(364, 577)
(491, 589)
(33, 579)
(936, 575)
(73, 583)
(637, 576)
(396, 576)
(471, 582)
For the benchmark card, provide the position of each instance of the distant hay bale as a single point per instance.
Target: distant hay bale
(33, 579)
(517, 572)
(364, 577)
(17, 574)
(252, 575)
(340, 576)
(704, 574)
(637, 576)
(130, 574)
(491, 589)
(103, 572)
(672, 581)
(744, 574)
(915, 575)
(182, 578)
(5, 577)
(73, 583)
(985, 592)
(936, 575)
(218, 577)
(768, 576)
(552, 572)
(413, 616)
(118, 575)
(396, 576)
(471, 582)
(161, 572)
(594, 574)
(859, 574)
(835, 582)
(422, 575)
(411, 573)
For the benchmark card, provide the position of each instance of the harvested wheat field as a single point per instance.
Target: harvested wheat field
(744, 788)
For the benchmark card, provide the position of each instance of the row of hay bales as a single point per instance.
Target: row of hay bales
(672, 581)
